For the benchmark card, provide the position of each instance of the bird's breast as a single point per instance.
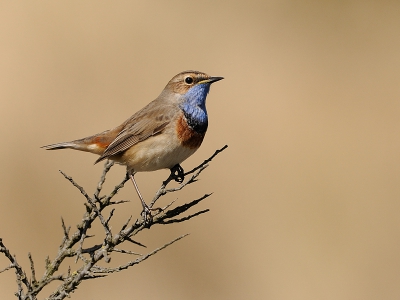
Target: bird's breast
(187, 136)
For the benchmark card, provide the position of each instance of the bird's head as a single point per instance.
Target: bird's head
(191, 86)
(190, 89)
(191, 81)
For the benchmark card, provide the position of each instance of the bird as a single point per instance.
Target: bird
(161, 135)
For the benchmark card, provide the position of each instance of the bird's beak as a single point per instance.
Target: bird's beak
(211, 80)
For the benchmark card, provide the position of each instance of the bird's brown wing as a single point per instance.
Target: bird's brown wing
(149, 121)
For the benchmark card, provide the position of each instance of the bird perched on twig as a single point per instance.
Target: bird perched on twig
(159, 136)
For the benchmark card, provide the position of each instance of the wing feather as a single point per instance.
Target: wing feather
(149, 121)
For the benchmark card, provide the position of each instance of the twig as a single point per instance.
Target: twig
(19, 272)
(75, 185)
(107, 166)
(117, 188)
(33, 276)
(72, 243)
(139, 260)
(186, 218)
(126, 251)
(162, 190)
(207, 160)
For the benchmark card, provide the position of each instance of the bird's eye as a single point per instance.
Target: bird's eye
(189, 80)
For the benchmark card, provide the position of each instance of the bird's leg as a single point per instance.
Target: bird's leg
(177, 173)
(146, 210)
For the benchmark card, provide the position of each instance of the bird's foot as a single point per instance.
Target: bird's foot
(147, 214)
(177, 173)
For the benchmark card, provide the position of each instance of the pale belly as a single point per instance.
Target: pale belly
(155, 153)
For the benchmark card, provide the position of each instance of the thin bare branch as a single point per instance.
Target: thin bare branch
(126, 223)
(178, 210)
(117, 188)
(102, 220)
(107, 166)
(95, 252)
(19, 272)
(6, 269)
(207, 160)
(126, 251)
(186, 218)
(110, 216)
(134, 242)
(138, 260)
(69, 178)
(197, 170)
(65, 230)
(33, 273)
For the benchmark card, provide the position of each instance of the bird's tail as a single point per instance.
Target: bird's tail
(66, 145)
(93, 144)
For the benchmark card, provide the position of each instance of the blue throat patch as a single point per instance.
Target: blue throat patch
(194, 107)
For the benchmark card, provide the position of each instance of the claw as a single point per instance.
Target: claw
(177, 173)
(147, 216)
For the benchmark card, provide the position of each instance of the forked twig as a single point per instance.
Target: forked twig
(72, 242)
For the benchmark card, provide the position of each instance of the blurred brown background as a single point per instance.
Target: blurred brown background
(306, 197)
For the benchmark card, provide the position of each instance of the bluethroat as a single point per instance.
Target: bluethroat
(159, 136)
